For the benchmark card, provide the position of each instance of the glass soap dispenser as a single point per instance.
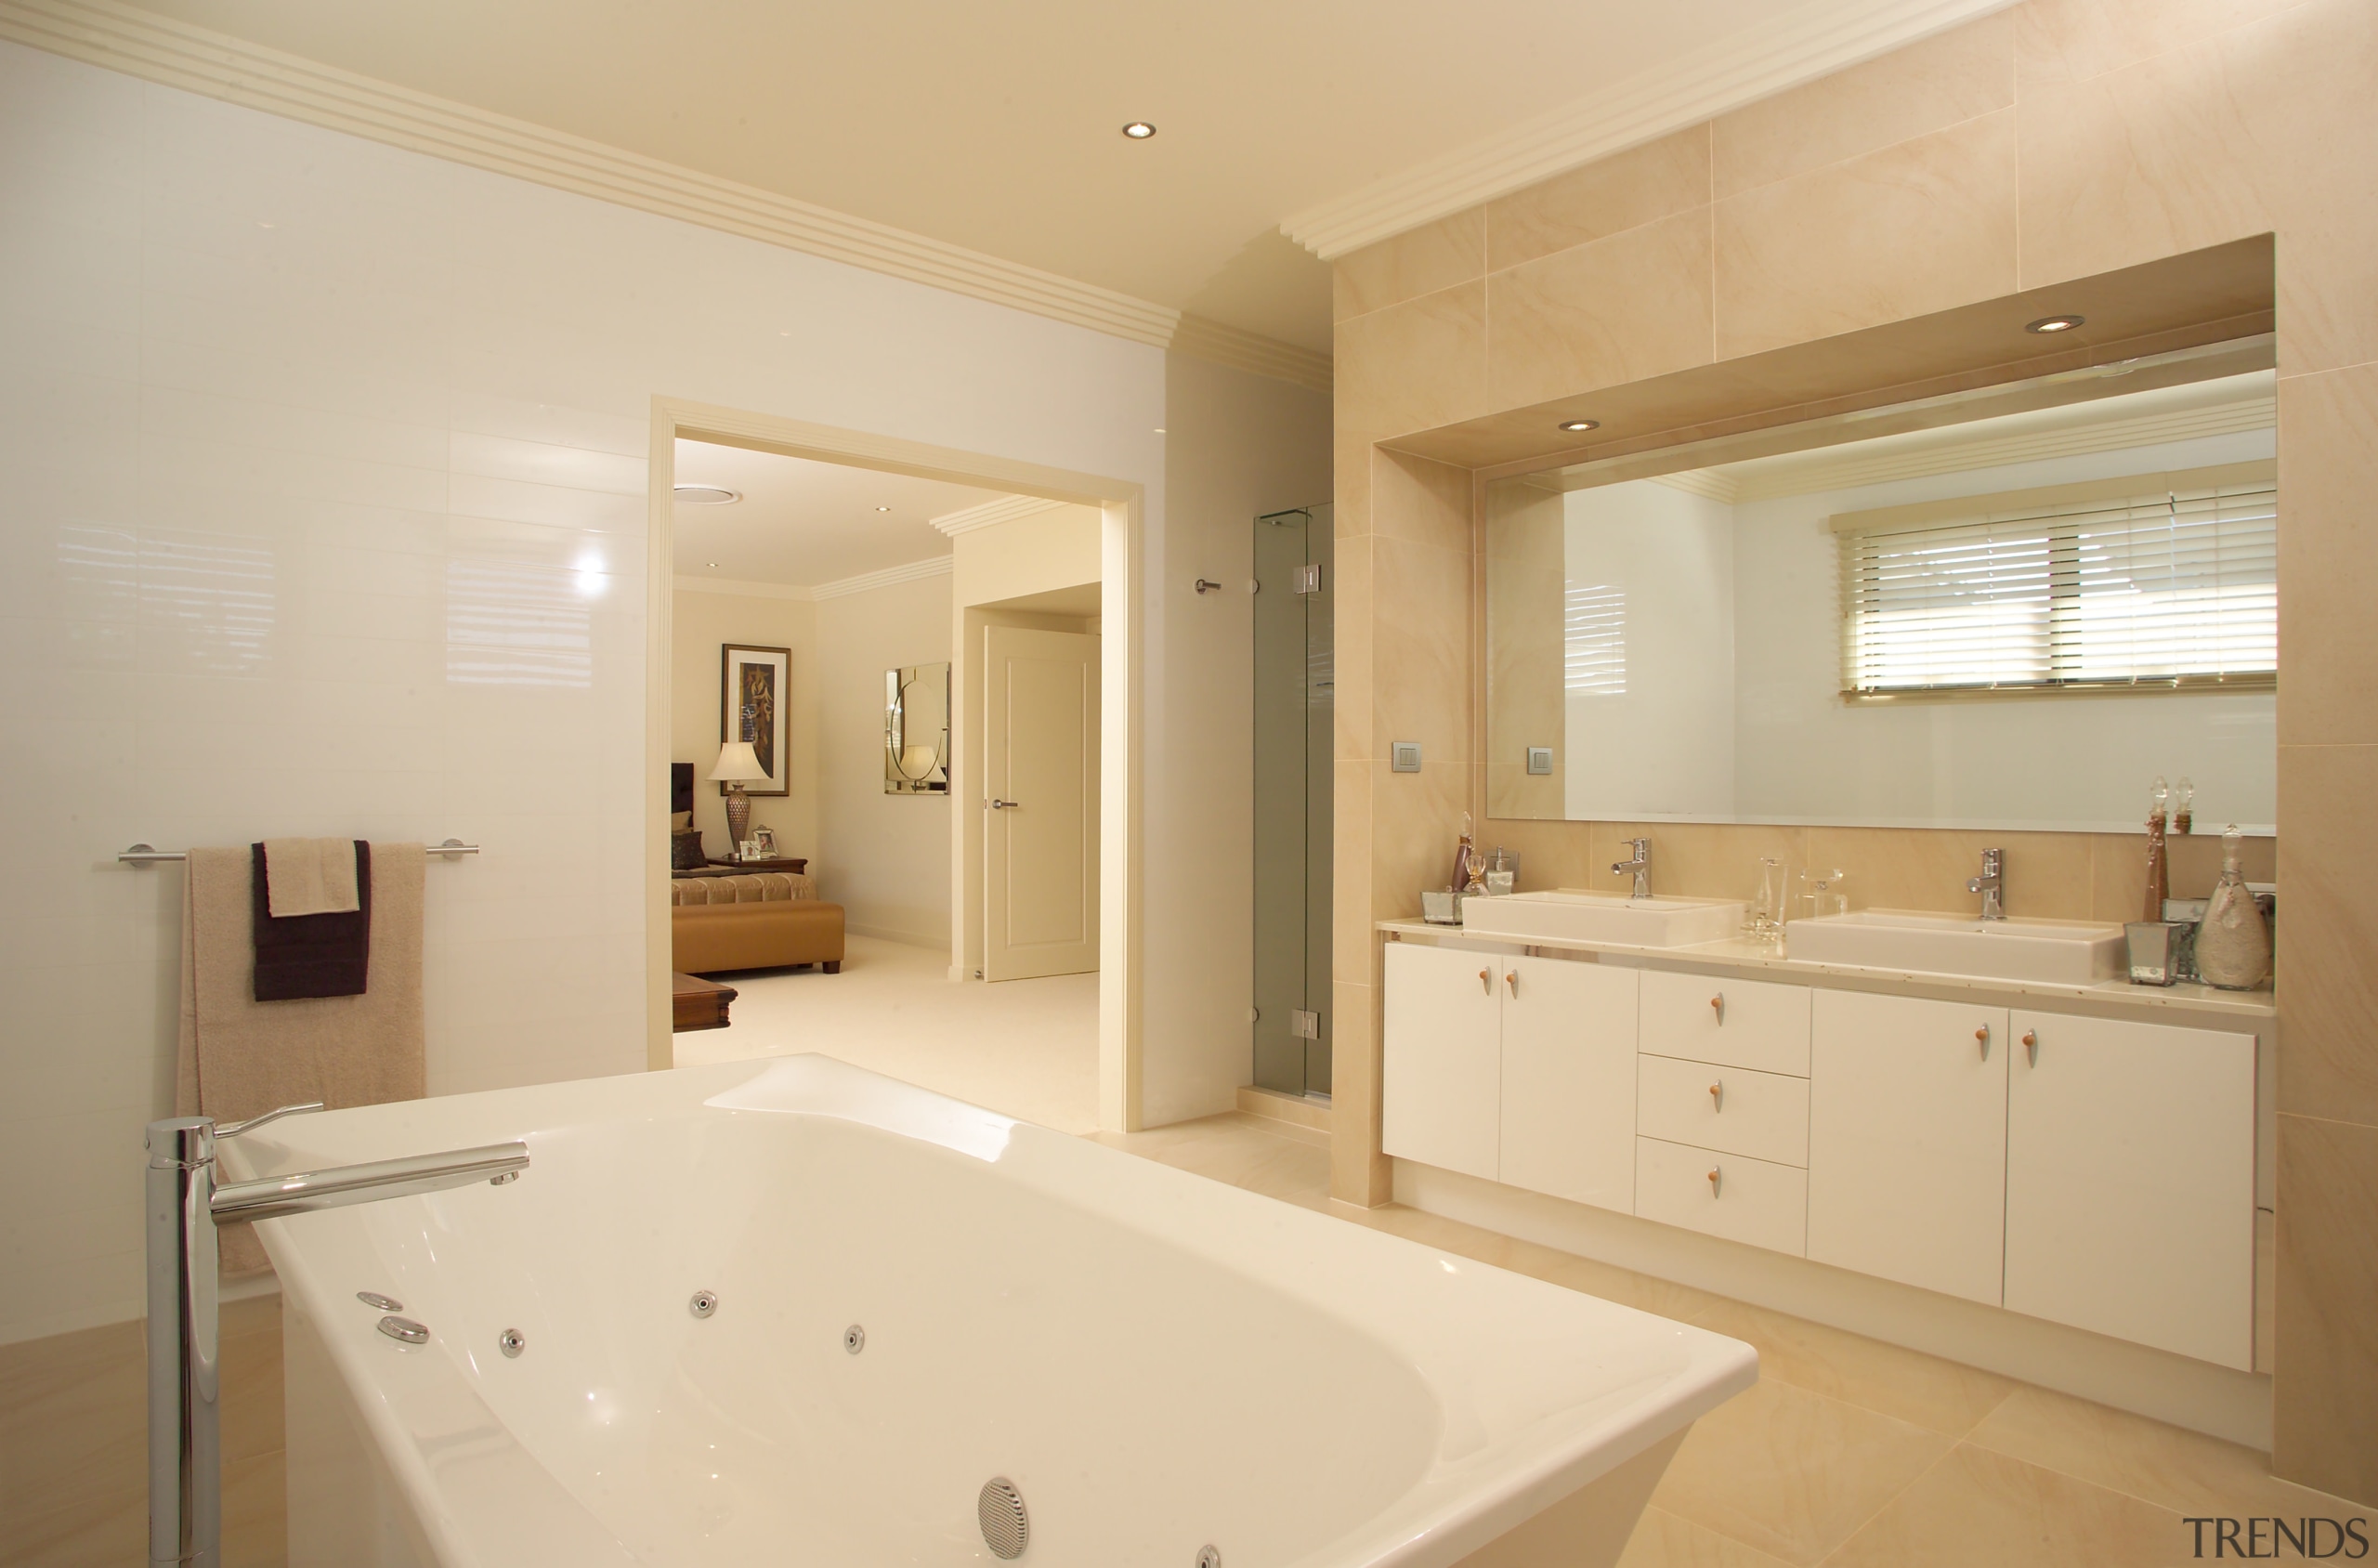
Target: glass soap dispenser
(2233, 943)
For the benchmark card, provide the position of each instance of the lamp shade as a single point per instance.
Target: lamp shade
(737, 765)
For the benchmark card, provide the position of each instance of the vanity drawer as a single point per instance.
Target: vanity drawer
(1753, 1024)
(1762, 1115)
(1754, 1201)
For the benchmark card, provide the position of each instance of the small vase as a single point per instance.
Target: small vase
(2233, 943)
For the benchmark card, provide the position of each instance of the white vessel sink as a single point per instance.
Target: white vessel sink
(2067, 953)
(1602, 917)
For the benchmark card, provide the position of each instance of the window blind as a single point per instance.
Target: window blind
(2175, 586)
(1594, 637)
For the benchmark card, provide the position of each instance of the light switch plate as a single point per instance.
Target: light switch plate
(1539, 760)
(1406, 756)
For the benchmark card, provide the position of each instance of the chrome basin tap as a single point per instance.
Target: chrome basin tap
(185, 1205)
(1992, 884)
(1641, 867)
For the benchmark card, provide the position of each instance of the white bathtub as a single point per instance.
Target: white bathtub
(1156, 1361)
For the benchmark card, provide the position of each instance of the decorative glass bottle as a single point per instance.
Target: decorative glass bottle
(2233, 945)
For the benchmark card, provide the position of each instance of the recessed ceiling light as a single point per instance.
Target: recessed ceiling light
(706, 495)
(710, 562)
(2054, 323)
(883, 509)
(1160, 429)
(1139, 130)
(1574, 425)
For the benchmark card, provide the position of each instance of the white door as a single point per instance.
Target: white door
(1041, 803)
(1907, 1141)
(1442, 1088)
(2129, 1182)
(1568, 1099)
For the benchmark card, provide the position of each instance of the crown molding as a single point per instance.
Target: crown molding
(743, 590)
(1780, 51)
(931, 566)
(173, 54)
(990, 513)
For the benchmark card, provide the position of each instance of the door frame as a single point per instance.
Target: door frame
(1121, 830)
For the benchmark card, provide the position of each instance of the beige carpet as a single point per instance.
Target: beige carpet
(1026, 1048)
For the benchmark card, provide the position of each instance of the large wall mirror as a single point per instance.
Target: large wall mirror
(916, 730)
(2011, 607)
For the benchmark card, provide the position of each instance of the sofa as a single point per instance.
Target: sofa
(764, 919)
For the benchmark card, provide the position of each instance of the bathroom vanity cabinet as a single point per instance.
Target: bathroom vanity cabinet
(2091, 1170)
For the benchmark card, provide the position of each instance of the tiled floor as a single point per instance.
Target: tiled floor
(1849, 1453)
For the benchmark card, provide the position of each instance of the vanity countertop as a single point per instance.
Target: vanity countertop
(1757, 960)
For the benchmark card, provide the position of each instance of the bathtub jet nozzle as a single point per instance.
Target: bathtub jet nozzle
(1007, 1529)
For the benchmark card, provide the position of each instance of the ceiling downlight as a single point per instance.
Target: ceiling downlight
(706, 495)
(2054, 324)
(1139, 130)
(1579, 427)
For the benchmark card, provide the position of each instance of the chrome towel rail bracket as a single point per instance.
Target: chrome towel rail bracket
(149, 854)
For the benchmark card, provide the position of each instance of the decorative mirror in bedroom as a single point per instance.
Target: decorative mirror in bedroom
(916, 730)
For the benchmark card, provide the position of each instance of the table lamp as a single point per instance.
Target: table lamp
(736, 764)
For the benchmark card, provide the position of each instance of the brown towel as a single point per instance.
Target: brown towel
(240, 1057)
(319, 954)
(312, 876)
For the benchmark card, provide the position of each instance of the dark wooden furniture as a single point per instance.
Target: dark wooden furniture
(697, 1003)
(796, 865)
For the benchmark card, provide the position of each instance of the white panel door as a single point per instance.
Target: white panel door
(1041, 803)
(1907, 1141)
(2129, 1182)
(1443, 1083)
(1569, 1079)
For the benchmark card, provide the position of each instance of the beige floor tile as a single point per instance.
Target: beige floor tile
(1547, 1263)
(1793, 1473)
(256, 1512)
(1979, 1509)
(1943, 1395)
(1663, 1540)
(109, 1531)
(252, 1384)
(73, 1420)
(2170, 1466)
(1239, 1149)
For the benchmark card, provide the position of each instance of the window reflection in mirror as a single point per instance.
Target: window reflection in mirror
(2006, 608)
(916, 730)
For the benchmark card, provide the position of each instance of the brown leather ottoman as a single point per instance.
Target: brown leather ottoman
(708, 939)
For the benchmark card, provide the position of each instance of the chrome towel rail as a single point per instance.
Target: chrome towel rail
(147, 854)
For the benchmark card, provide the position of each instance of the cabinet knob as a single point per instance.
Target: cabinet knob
(1713, 1181)
(2032, 1042)
(1487, 981)
(1717, 1096)
(1717, 1006)
(1511, 979)
(1982, 1034)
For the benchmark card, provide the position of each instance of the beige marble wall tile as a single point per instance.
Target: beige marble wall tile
(1436, 255)
(1352, 937)
(1605, 196)
(2328, 555)
(1350, 454)
(1354, 627)
(2048, 875)
(1358, 1173)
(2062, 41)
(1420, 649)
(1920, 227)
(2118, 868)
(1696, 859)
(2328, 862)
(1412, 366)
(2170, 1466)
(1793, 1473)
(1927, 86)
(1980, 1509)
(2325, 1384)
(1552, 853)
(73, 1420)
(1625, 308)
(1416, 499)
(1415, 825)
(1526, 693)
(2259, 129)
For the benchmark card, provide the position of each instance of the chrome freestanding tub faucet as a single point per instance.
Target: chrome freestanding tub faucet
(1640, 866)
(1992, 884)
(185, 1204)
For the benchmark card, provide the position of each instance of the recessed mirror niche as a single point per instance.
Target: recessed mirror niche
(2010, 607)
(916, 730)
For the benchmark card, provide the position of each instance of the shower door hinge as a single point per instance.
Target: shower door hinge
(1309, 579)
(1303, 1024)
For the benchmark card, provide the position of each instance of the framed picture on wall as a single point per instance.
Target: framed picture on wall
(753, 686)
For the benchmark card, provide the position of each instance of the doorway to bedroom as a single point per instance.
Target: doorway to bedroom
(886, 758)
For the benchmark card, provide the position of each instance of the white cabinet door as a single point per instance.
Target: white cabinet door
(1907, 1141)
(1569, 1079)
(2129, 1182)
(1443, 1085)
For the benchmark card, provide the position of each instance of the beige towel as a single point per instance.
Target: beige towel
(240, 1057)
(309, 877)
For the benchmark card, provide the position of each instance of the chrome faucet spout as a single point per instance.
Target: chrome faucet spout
(1992, 884)
(185, 1205)
(1639, 868)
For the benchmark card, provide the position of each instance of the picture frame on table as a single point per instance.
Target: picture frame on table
(755, 690)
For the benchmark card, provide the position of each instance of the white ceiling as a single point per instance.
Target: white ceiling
(801, 523)
(997, 128)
